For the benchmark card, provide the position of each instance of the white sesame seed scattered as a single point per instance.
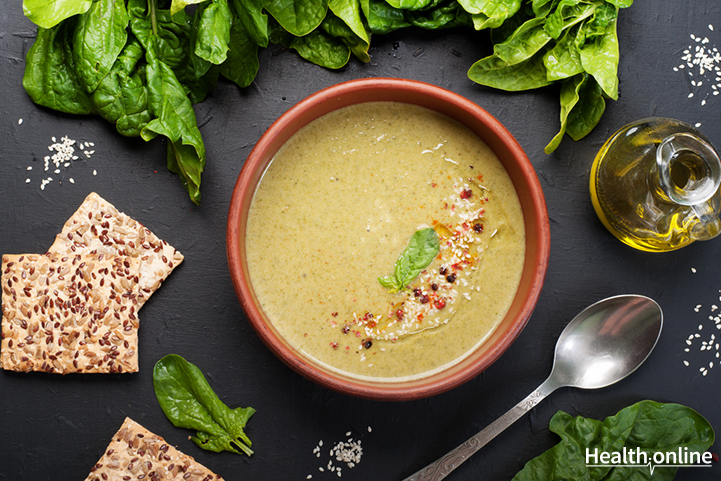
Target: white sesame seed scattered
(685, 363)
(693, 269)
(72, 181)
(20, 121)
(95, 172)
(27, 181)
(697, 125)
(310, 476)
(30, 167)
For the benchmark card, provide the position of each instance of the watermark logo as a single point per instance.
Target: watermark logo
(636, 458)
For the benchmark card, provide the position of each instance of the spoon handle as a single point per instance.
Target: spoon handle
(443, 466)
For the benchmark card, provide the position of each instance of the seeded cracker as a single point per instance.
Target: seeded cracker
(97, 226)
(136, 453)
(64, 314)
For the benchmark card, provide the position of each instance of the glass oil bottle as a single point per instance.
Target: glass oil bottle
(655, 185)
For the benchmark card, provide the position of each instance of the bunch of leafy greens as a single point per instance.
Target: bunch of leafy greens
(647, 426)
(189, 402)
(142, 64)
(422, 249)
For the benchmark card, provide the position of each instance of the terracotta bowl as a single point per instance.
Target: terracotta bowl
(477, 120)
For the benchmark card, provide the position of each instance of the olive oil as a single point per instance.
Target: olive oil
(655, 185)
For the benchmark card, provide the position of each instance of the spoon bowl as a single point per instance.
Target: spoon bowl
(606, 342)
(603, 344)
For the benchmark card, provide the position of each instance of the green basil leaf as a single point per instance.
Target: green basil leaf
(189, 402)
(299, 17)
(254, 21)
(122, 96)
(494, 72)
(490, 13)
(600, 57)
(569, 98)
(100, 35)
(242, 64)
(646, 427)
(213, 31)
(586, 114)
(422, 249)
(48, 13)
(382, 18)
(50, 78)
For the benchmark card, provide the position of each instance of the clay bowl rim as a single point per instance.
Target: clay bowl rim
(485, 126)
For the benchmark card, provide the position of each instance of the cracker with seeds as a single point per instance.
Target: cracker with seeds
(64, 314)
(97, 226)
(136, 453)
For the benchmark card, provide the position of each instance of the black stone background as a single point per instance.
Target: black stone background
(54, 427)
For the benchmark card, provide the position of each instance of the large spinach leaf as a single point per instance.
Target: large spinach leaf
(600, 57)
(213, 31)
(100, 35)
(50, 79)
(48, 13)
(122, 96)
(254, 20)
(494, 72)
(189, 402)
(646, 426)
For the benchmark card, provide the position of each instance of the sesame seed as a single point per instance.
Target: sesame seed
(20, 121)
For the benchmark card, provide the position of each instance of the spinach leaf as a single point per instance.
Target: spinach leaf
(524, 43)
(422, 249)
(48, 13)
(350, 12)
(213, 31)
(600, 57)
(490, 13)
(569, 99)
(409, 4)
(189, 402)
(122, 96)
(175, 119)
(49, 77)
(254, 21)
(448, 15)
(99, 37)
(299, 17)
(494, 72)
(382, 18)
(588, 111)
(322, 49)
(242, 63)
(563, 60)
(178, 6)
(647, 426)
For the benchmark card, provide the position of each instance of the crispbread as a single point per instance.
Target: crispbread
(136, 453)
(97, 226)
(65, 314)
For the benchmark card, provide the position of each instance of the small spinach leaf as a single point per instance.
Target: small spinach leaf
(242, 63)
(494, 72)
(213, 32)
(563, 60)
(422, 249)
(189, 402)
(48, 13)
(322, 49)
(409, 4)
(382, 18)
(255, 22)
(569, 99)
(588, 111)
(600, 57)
(490, 13)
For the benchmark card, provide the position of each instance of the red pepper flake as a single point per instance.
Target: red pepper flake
(466, 194)
(334, 345)
(439, 303)
(372, 324)
(334, 314)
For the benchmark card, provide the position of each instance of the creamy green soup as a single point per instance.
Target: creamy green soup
(336, 208)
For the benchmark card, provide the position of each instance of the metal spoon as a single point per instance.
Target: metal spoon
(603, 344)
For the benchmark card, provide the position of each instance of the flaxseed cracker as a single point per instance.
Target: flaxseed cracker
(64, 314)
(136, 453)
(97, 226)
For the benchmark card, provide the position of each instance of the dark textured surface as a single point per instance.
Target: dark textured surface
(54, 427)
